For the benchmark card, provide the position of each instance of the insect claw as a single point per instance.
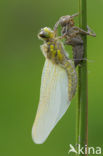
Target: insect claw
(91, 32)
(76, 14)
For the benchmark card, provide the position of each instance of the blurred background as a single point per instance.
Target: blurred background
(21, 63)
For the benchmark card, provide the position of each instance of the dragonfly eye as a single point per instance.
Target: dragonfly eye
(43, 35)
(46, 33)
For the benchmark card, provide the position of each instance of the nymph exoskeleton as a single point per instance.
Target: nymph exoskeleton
(73, 36)
(58, 86)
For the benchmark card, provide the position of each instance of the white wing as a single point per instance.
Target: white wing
(54, 101)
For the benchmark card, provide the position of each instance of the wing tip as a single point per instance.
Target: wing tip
(36, 139)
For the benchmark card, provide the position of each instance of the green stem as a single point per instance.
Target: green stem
(82, 110)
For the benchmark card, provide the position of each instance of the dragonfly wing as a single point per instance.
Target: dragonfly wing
(54, 101)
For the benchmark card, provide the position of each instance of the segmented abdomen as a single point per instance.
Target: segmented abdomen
(72, 77)
(78, 51)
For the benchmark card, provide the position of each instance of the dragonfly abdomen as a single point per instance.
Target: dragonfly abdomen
(72, 77)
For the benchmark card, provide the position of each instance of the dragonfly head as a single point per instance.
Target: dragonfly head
(46, 34)
(64, 20)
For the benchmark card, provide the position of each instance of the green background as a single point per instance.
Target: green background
(21, 63)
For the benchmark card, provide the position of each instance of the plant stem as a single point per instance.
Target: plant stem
(82, 110)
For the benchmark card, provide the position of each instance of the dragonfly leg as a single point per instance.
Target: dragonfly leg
(91, 31)
(83, 32)
(56, 27)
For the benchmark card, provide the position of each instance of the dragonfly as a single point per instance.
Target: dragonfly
(58, 85)
(73, 36)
